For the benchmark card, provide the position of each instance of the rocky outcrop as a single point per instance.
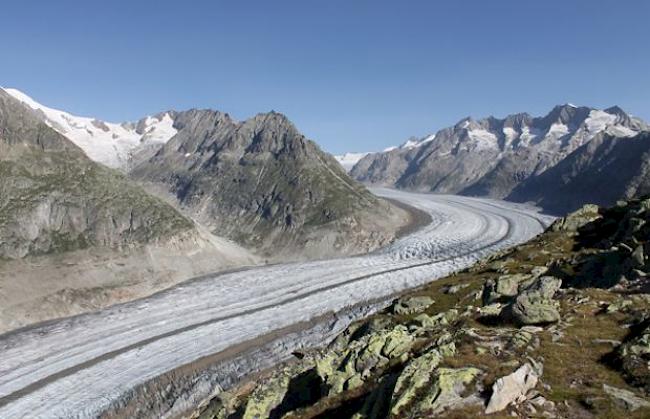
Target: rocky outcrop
(577, 219)
(626, 398)
(411, 305)
(518, 337)
(524, 158)
(263, 184)
(535, 305)
(634, 354)
(447, 389)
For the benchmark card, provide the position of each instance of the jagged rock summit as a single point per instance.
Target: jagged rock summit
(492, 157)
(263, 184)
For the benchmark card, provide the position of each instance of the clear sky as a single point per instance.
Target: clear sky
(352, 75)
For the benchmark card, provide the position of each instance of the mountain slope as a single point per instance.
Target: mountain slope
(265, 185)
(490, 157)
(53, 198)
(604, 170)
(76, 236)
(113, 145)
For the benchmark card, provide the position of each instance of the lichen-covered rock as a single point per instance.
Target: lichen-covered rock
(534, 305)
(349, 368)
(634, 357)
(572, 222)
(492, 310)
(525, 311)
(358, 330)
(512, 388)
(220, 407)
(411, 305)
(508, 285)
(447, 391)
(426, 322)
(415, 376)
(269, 393)
(627, 399)
(521, 339)
(504, 287)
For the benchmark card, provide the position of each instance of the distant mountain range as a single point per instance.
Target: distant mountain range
(517, 158)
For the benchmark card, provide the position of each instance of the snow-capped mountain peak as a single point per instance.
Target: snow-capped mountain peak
(108, 143)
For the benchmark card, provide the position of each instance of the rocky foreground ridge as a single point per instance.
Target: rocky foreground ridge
(557, 327)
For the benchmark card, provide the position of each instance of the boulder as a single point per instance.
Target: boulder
(426, 322)
(492, 310)
(358, 330)
(625, 398)
(508, 285)
(638, 257)
(504, 287)
(270, 392)
(633, 356)
(512, 388)
(446, 391)
(521, 339)
(572, 222)
(415, 376)
(535, 305)
(525, 311)
(349, 368)
(411, 305)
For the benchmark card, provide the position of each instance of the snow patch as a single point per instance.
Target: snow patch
(483, 139)
(557, 131)
(108, 143)
(348, 160)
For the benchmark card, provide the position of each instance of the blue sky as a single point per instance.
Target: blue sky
(352, 75)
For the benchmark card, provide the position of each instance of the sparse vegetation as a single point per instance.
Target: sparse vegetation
(577, 361)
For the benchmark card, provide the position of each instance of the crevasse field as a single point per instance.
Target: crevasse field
(78, 367)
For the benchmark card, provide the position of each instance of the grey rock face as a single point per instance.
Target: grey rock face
(510, 158)
(263, 184)
(54, 199)
(604, 170)
(511, 388)
(626, 398)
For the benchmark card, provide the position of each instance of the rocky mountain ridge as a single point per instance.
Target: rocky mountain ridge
(282, 192)
(491, 157)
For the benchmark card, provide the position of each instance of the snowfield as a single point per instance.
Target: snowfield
(104, 142)
(80, 366)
